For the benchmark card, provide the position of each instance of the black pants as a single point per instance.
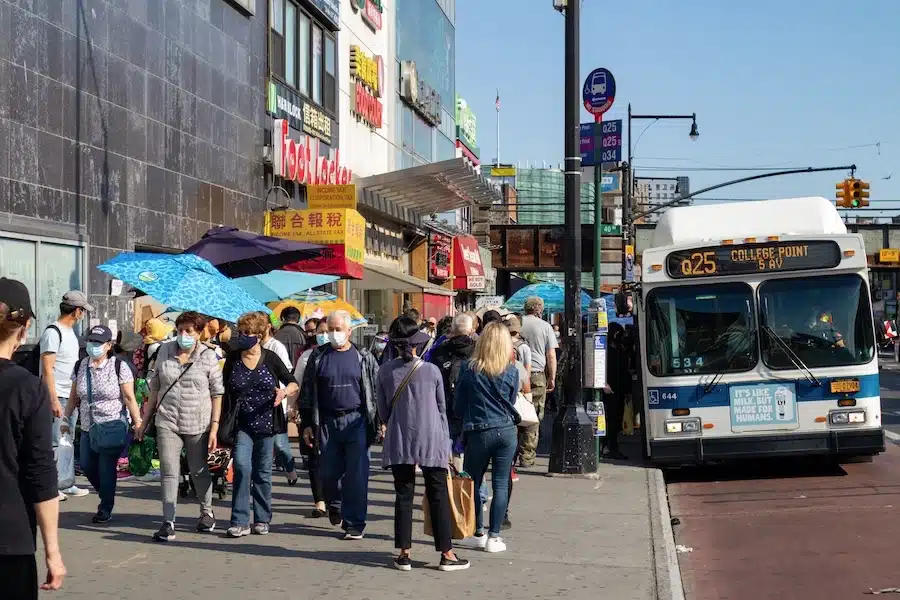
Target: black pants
(312, 468)
(438, 501)
(614, 408)
(19, 577)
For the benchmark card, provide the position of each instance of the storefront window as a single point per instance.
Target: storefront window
(426, 36)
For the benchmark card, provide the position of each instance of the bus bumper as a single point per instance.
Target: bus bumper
(832, 443)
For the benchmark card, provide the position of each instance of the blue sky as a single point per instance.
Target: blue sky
(790, 83)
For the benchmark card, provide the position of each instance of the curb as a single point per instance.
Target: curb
(668, 575)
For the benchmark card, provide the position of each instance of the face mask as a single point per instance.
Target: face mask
(337, 338)
(321, 339)
(245, 342)
(186, 341)
(94, 350)
(380, 346)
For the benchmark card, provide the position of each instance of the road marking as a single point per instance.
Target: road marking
(894, 437)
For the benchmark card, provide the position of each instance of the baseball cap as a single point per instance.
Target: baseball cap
(99, 334)
(14, 294)
(513, 324)
(78, 299)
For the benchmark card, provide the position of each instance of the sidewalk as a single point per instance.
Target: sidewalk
(575, 538)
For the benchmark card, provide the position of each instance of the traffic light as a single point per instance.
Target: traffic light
(854, 198)
(863, 193)
(842, 194)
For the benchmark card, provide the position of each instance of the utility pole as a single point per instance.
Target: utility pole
(572, 448)
(598, 226)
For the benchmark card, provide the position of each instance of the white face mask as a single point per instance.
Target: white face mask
(337, 338)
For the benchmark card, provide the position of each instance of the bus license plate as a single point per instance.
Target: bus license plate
(845, 386)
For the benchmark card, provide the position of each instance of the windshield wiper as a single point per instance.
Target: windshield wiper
(717, 376)
(789, 352)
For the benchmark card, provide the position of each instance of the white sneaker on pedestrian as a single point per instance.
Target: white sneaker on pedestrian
(495, 544)
(63, 497)
(75, 491)
(237, 531)
(479, 541)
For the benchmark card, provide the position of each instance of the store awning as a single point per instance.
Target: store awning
(408, 194)
(377, 277)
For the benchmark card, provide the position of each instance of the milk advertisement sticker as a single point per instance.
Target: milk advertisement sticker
(763, 406)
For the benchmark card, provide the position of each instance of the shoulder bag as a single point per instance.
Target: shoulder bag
(405, 382)
(109, 436)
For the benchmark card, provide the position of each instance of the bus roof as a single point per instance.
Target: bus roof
(732, 220)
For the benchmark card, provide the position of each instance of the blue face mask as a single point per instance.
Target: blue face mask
(186, 341)
(94, 349)
(321, 339)
(245, 342)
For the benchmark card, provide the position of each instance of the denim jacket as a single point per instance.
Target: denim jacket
(309, 394)
(486, 402)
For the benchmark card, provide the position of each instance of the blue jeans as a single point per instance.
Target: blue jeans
(344, 467)
(100, 469)
(496, 446)
(284, 456)
(252, 456)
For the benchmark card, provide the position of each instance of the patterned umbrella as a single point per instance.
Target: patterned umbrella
(319, 305)
(183, 281)
(553, 295)
(279, 285)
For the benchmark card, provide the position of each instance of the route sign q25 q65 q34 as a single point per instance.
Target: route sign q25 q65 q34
(599, 92)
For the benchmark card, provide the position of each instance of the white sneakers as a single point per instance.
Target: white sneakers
(489, 544)
(75, 491)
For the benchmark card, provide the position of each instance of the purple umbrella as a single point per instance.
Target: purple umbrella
(239, 253)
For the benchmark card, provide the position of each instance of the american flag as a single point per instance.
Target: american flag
(497, 101)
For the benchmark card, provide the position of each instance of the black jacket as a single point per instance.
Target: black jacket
(449, 358)
(229, 421)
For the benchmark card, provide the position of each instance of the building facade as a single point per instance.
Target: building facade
(653, 192)
(125, 126)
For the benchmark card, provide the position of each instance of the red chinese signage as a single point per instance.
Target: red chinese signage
(468, 272)
(439, 256)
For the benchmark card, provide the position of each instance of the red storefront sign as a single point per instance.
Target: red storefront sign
(439, 247)
(334, 261)
(436, 305)
(300, 161)
(366, 106)
(468, 272)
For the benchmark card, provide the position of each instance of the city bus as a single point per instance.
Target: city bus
(756, 336)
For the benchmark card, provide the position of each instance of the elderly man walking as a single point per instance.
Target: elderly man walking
(542, 341)
(337, 399)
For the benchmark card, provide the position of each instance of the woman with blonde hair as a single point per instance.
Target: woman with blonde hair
(486, 401)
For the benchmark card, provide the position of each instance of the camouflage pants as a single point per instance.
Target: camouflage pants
(528, 436)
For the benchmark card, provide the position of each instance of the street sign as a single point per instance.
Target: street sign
(601, 143)
(599, 92)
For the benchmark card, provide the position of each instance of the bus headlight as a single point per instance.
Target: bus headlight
(847, 417)
(683, 426)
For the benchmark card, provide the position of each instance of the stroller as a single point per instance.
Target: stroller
(219, 462)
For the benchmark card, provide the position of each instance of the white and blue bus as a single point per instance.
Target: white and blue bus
(756, 334)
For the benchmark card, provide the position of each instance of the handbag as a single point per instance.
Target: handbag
(527, 413)
(462, 506)
(108, 436)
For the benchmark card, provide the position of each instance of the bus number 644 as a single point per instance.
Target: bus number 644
(700, 263)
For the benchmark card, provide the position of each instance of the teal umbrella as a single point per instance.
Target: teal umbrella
(184, 282)
(553, 295)
(279, 285)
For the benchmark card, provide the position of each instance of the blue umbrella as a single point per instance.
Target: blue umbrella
(553, 295)
(183, 281)
(278, 285)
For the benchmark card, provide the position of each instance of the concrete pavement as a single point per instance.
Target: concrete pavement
(576, 538)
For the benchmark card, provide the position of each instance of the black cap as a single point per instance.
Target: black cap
(490, 317)
(99, 334)
(14, 294)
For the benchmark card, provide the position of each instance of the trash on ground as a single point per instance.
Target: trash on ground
(884, 591)
(681, 549)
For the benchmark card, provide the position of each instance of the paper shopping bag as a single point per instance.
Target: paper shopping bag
(628, 418)
(462, 507)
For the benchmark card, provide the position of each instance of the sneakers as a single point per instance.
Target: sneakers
(206, 524)
(62, 497)
(335, 517)
(495, 544)
(515, 476)
(353, 534)
(319, 511)
(261, 528)
(460, 564)
(480, 541)
(292, 478)
(101, 517)
(166, 533)
(403, 563)
(75, 491)
(236, 531)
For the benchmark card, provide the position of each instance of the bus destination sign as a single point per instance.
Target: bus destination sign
(747, 259)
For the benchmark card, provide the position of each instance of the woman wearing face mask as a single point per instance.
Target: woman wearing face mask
(378, 346)
(103, 386)
(252, 375)
(186, 402)
(318, 339)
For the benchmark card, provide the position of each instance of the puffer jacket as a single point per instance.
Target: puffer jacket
(186, 409)
(309, 389)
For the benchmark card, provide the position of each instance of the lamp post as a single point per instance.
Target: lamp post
(629, 192)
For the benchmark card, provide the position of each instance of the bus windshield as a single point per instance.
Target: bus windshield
(701, 329)
(826, 321)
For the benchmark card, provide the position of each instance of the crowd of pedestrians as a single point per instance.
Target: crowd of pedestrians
(440, 395)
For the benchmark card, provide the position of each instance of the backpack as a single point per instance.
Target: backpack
(32, 359)
(518, 343)
(450, 370)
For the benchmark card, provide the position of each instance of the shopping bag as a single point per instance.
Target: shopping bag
(140, 456)
(527, 413)
(65, 462)
(628, 418)
(462, 506)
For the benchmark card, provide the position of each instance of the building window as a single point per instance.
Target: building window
(328, 93)
(317, 65)
(277, 58)
(48, 268)
(303, 54)
(290, 44)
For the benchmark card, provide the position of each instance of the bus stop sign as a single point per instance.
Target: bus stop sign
(599, 92)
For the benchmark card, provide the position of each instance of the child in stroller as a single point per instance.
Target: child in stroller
(219, 462)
